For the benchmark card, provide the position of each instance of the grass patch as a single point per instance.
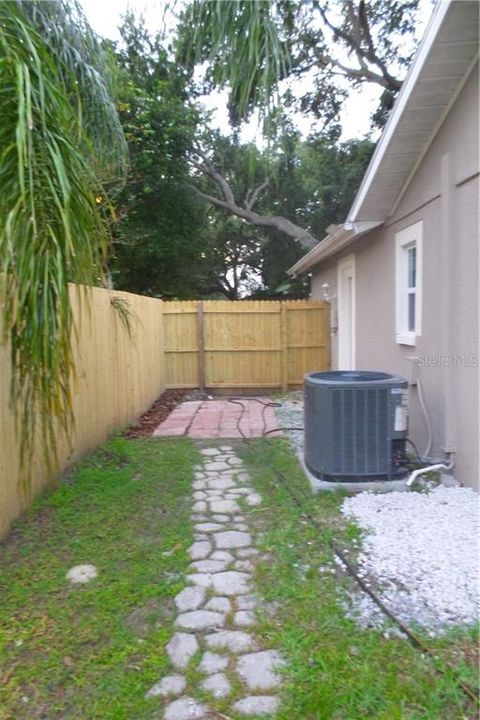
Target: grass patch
(92, 651)
(337, 671)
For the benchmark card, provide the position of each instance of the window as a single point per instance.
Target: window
(409, 284)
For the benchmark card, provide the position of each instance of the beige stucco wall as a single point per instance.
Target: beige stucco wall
(443, 194)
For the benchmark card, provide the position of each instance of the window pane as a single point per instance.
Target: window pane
(412, 267)
(411, 312)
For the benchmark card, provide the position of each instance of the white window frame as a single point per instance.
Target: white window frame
(408, 238)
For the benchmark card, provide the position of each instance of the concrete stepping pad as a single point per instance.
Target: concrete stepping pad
(213, 663)
(169, 685)
(218, 685)
(209, 527)
(231, 539)
(244, 618)
(219, 604)
(257, 705)
(258, 670)
(236, 641)
(199, 550)
(208, 566)
(190, 598)
(181, 648)
(231, 582)
(200, 620)
(186, 708)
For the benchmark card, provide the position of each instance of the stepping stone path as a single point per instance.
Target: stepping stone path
(216, 612)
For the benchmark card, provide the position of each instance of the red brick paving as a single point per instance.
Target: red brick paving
(219, 419)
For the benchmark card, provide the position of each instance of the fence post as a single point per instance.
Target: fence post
(201, 345)
(284, 346)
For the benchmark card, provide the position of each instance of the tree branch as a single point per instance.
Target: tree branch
(252, 197)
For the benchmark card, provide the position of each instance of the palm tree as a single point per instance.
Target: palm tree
(61, 153)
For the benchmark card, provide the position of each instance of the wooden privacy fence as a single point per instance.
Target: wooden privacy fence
(217, 344)
(244, 344)
(119, 375)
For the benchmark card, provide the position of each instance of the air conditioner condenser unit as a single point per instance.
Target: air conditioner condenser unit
(356, 426)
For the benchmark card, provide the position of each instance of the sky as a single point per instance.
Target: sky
(105, 17)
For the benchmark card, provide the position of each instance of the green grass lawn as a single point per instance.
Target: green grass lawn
(337, 671)
(91, 652)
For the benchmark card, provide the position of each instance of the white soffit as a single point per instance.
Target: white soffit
(445, 54)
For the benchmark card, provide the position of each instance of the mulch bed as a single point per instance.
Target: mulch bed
(160, 410)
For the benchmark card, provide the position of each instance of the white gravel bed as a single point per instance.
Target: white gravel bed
(290, 414)
(422, 551)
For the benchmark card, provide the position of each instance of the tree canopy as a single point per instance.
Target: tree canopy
(251, 46)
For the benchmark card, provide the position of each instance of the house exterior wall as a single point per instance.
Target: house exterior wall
(443, 193)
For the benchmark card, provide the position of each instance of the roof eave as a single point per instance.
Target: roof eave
(340, 237)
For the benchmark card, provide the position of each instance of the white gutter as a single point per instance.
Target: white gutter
(340, 237)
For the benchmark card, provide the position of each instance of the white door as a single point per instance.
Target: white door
(346, 313)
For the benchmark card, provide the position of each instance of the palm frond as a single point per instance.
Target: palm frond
(51, 227)
(242, 41)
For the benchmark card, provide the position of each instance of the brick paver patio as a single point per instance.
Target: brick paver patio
(219, 419)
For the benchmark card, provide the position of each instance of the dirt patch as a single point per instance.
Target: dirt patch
(160, 410)
(144, 619)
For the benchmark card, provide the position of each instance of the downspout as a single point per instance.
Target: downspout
(448, 263)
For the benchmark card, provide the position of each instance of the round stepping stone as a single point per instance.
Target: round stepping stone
(244, 618)
(243, 490)
(181, 648)
(219, 604)
(199, 495)
(210, 451)
(231, 582)
(200, 620)
(221, 518)
(226, 448)
(236, 641)
(208, 527)
(190, 599)
(199, 550)
(208, 566)
(223, 506)
(186, 708)
(222, 555)
(231, 539)
(169, 685)
(199, 484)
(235, 461)
(213, 663)
(253, 500)
(81, 574)
(239, 518)
(218, 685)
(242, 527)
(257, 669)
(257, 705)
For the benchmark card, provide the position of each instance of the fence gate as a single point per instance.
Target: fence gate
(245, 344)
